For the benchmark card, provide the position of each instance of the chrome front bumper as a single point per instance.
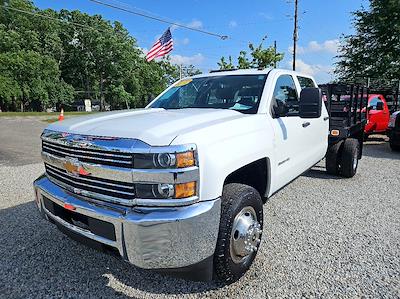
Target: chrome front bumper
(148, 237)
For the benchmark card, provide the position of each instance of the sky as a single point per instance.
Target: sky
(321, 25)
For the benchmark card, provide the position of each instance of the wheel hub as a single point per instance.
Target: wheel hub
(246, 234)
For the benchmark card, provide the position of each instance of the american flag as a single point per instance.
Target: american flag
(162, 47)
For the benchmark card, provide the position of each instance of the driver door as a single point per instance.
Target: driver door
(288, 142)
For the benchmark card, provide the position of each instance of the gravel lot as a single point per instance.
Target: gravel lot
(324, 237)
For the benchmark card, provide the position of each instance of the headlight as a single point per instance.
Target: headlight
(166, 191)
(164, 160)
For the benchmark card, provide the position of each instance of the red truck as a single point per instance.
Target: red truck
(378, 115)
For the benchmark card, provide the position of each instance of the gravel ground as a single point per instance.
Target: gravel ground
(19, 136)
(323, 237)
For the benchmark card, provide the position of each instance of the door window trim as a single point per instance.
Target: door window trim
(296, 85)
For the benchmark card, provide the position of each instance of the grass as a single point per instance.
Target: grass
(51, 114)
(50, 120)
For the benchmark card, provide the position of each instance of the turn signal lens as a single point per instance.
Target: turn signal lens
(185, 159)
(185, 190)
(335, 132)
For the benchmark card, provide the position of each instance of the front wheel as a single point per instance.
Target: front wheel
(240, 231)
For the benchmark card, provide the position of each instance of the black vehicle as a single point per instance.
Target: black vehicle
(394, 131)
(346, 104)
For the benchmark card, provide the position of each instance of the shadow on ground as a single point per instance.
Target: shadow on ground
(33, 251)
(378, 147)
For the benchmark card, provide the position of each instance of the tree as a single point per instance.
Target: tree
(374, 50)
(45, 62)
(226, 65)
(261, 58)
(34, 80)
(191, 70)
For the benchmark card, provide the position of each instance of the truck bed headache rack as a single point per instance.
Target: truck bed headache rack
(347, 107)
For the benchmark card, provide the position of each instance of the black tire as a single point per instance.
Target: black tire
(332, 159)
(349, 157)
(393, 146)
(235, 198)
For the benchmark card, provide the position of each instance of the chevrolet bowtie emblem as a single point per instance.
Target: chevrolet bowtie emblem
(74, 167)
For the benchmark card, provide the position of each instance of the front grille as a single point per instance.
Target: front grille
(89, 155)
(96, 187)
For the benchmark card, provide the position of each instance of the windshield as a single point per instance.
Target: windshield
(236, 92)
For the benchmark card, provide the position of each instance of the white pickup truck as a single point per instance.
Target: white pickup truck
(179, 186)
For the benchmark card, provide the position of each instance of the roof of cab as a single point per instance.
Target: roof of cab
(249, 72)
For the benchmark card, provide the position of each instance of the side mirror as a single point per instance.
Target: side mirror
(310, 105)
(379, 106)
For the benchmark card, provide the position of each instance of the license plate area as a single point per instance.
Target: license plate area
(98, 227)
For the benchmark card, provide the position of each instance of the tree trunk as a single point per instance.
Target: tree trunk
(102, 108)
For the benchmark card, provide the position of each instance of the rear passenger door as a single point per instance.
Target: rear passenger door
(316, 132)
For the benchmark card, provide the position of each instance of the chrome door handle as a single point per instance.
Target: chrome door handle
(306, 124)
(326, 118)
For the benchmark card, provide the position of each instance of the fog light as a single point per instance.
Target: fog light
(185, 190)
(165, 190)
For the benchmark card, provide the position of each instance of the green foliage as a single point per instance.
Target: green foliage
(49, 63)
(373, 51)
(260, 58)
(226, 65)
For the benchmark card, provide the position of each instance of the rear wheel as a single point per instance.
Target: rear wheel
(240, 231)
(394, 147)
(349, 157)
(332, 159)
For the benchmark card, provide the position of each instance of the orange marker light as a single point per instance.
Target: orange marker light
(69, 207)
(335, 132)
(185, 159)
(185, 190)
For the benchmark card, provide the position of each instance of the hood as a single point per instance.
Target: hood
(155, 126)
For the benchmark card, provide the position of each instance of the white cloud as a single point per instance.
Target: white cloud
(196, 24)
(322, 73)
(329, 46)
(178, 42)
(185, 41)
(186, 60)
(233, 24)
(265, 16)
(332, 45)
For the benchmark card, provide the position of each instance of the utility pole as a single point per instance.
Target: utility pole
(180, 71)
(275, 54)
(296, 2)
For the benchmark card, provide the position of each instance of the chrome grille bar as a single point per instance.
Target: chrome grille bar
(80, 185)
(97, 157)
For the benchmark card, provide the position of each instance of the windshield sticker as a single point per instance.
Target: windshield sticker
(183, 82)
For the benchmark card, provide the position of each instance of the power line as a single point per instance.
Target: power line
(36, 14)
(223, 37)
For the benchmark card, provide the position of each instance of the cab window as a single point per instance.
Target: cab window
(285, 96)
(374, 102)
(305, 82)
